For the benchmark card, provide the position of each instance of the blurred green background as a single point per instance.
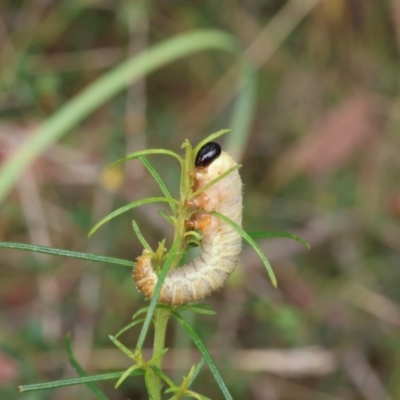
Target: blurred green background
(320, 155)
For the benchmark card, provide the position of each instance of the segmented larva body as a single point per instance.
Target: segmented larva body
(221, 244)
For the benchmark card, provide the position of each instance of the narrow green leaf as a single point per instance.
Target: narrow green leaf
(196, 372)
(75, 381)
(159, 180)
(163, 376)
(139, 312)
(261, 235)
(166, 216)
(127, 373)
(128, 207)
(153, 303)
(129, 326)
(81, 372)
(214, 181)
(195, 395)
(145, 310)
(197, 309)
(209, 138)
(172, 390)
(123, 348)
(252, 243)
(206, 355)
(142, 153)
(140, 237)
(67, 253)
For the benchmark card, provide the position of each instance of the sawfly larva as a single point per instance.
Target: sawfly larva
(221, 244)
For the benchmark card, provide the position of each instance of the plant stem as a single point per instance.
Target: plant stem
(161, 317)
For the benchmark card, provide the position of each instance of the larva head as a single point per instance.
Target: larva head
(207, 154)
(212, 162)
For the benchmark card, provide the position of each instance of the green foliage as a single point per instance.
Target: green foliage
(157, 313)
(317, 133)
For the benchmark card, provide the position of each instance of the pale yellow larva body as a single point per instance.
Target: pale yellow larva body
(221, 244)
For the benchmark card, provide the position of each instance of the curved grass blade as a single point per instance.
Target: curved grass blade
(162, 375)
(262, 235)
(142, 153)
(127, 373)
(129, 326)
(251, 242)
(139, 312)
(197, 396)
(128, 207)
(166, 216)
(123, 348)
(206, 355)
(214, 181)
(75, 381)
(196, 372)
(153, 303)
(198, 308)
(105, 88)
(210, 138)
(158, 179)
(81, 372)
(67, 253)
(140, 237)
(145, 310)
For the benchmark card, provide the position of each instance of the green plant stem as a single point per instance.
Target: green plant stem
(161, 318)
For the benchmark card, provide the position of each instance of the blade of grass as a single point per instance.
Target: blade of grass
(67, 253)
(262, 235)
(129, 326)
(153, 303)
(142, 153)
(209, 138)
(128, 207)
(162, 375)
(123, 348)
(198, 308)
(75, 381)
(158, 179)
(145, 309)
(214, 181)
(194, 395)
(196, 372)
(81, 372)
(127, 373)
(140, 237)
(251, 242)
(166, 216)
(206, 355)
(105, 88)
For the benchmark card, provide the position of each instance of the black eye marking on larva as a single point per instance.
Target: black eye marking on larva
(207, 154)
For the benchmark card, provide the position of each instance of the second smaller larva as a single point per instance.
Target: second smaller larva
(221, 244)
